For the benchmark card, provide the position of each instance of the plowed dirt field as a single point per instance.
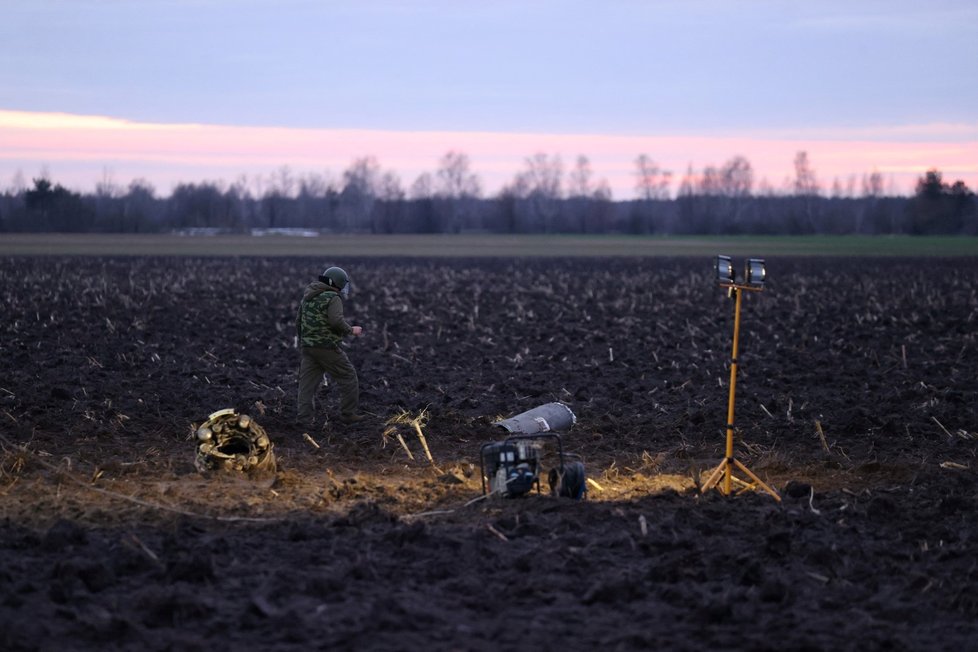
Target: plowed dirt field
(857, 401)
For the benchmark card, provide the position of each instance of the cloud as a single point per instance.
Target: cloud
(36, 121)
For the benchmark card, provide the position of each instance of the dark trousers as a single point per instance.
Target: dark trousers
(312, 365)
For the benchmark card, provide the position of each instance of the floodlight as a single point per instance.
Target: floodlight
(724, 269)
(754, 274)
(755, 271)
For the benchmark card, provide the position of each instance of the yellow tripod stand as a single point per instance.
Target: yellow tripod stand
(725, 469)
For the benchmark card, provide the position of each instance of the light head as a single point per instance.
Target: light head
(754, 276)
(723, 267)
(755, 272)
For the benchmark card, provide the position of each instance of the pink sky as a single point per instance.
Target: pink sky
(77, 151)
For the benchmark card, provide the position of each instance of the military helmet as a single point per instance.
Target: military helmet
(338, 279)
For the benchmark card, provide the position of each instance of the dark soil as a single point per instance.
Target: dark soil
(856, 402)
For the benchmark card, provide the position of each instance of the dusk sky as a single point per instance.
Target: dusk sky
(194, 90)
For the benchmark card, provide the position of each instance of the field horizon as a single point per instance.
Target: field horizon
(481, 245)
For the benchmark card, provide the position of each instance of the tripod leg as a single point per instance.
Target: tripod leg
(715, 476)
(757, 480)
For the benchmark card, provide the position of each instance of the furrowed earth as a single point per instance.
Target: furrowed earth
(855, 401)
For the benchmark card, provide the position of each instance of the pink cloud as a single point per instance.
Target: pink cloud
(78, 149)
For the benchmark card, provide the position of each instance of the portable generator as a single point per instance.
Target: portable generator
(511, 468)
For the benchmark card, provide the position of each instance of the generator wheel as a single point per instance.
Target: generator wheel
(571, 483)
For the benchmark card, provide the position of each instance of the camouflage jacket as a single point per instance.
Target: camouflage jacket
(320, 322)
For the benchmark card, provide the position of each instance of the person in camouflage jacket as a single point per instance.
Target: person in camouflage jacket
(321, 327)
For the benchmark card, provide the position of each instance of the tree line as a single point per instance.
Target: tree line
(542, 198)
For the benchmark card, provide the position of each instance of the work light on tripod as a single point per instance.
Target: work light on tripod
(754, 275)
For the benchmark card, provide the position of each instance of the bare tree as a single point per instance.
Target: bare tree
(544, 175)
(360, 182)
(579, 189)
(579, 180)
(317, 198)
(837, 190)
(806, 190)
(283, 181)
(518, 187)
(106, 187)
(651, 186)
(315, 185)
(709, 201)
(542, 180)
(140, 207)
(387, 211)
(736, 177)
(455, 178)
(873, 184)
(850, 189)
(601, 210)
(688, 202)
(422, 209)
(736, 182)
(389, 188)
(423, 187)
(278, 205)
(108, 206)
(806, 184)
(651, 181)
(457, 188)
(17, 183)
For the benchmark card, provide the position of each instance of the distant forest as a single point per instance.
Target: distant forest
(542, 198)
